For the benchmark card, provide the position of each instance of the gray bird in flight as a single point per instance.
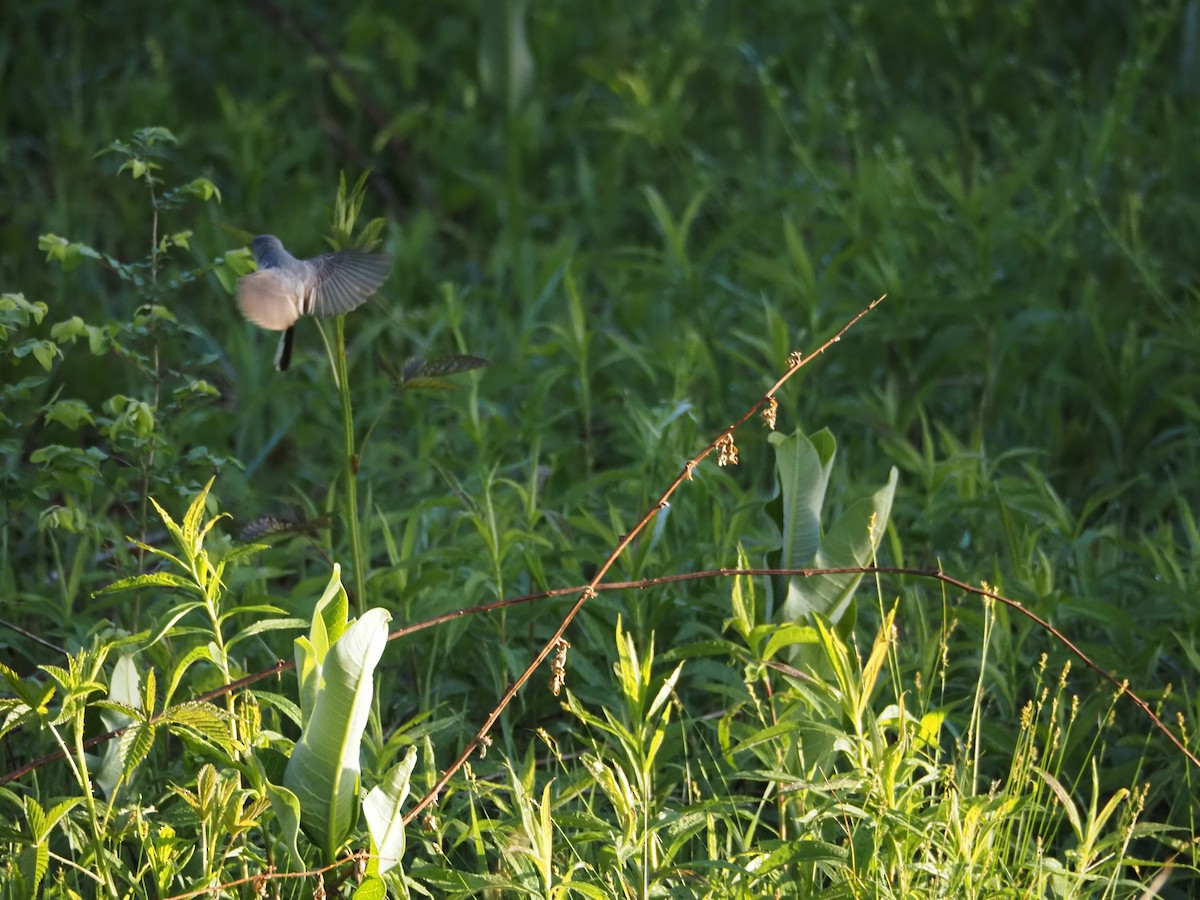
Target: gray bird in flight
(285, 288)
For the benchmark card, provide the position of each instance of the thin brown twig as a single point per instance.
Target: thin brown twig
(597, 584)
(280, 666)
(797, 362)
(643, 583)
(263, 877)
(936, 574)
(658, 580)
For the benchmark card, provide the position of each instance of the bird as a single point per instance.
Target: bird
(285, 288)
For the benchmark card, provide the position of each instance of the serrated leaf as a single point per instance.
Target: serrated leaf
(206, 720)
(138, 742)
(53, 815)
(192, 519)
(420, 383)
(150, 579)
(452, 365)
(30, 867)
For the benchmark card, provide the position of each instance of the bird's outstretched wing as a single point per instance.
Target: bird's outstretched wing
(267, 301)
(346, 279)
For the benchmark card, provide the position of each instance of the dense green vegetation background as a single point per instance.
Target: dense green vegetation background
(634, 211)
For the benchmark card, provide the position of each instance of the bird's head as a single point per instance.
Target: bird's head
(268, 251)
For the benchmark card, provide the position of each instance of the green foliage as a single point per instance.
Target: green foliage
(92, 460)
(804, 465)
(383, 808)
(336, 667)
(635, 214)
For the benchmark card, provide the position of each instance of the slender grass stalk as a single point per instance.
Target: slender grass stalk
(975, 741)
(357, 556)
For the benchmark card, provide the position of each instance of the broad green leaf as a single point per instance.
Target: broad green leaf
(328, 622)
(804, 466)
(929, 732)
(99, 339)
(850, 543)
(68, 457)
(71, 413)
(67, 254)
(128, 414)
(67, 518)
(124, 688)
(194, 389)
(286, 807)
(372, 888)
(23, 309)
(383, 809)
(323, 771)
(788, 635)
(43, 351)
(68, 330)
(202, 188)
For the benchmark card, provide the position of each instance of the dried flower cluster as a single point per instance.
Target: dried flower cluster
(558, 666)
(727, 452)
(771, 412)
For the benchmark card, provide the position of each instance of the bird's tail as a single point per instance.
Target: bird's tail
(283, 356)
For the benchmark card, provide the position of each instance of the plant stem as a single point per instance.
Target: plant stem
(351, 469)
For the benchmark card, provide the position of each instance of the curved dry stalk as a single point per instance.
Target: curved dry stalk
(728, 453)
